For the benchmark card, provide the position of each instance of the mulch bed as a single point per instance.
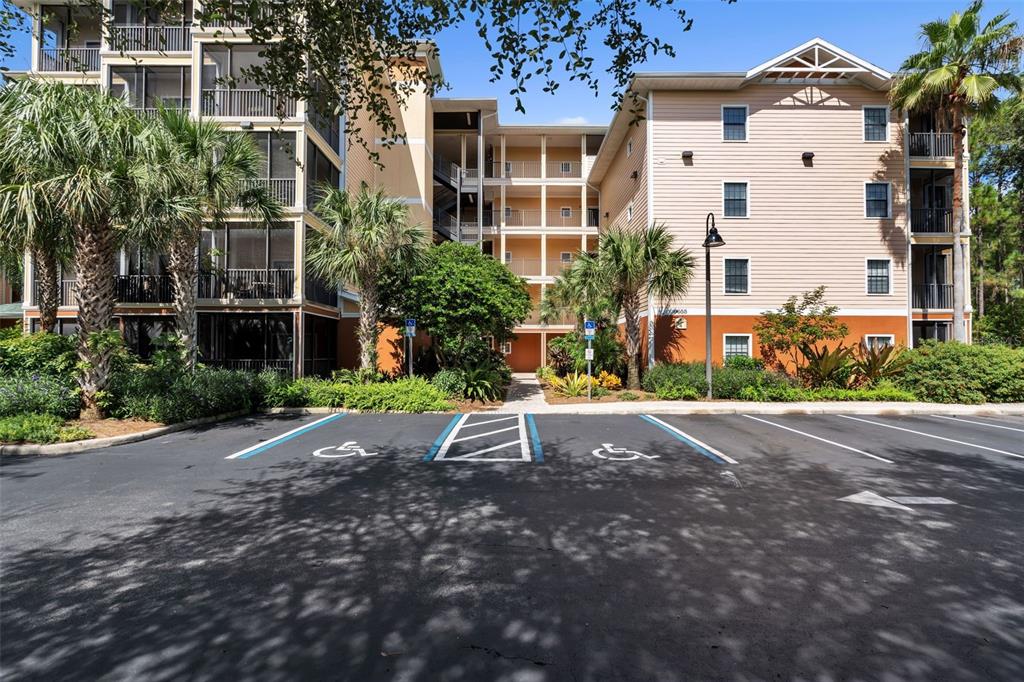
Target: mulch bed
(105, 428)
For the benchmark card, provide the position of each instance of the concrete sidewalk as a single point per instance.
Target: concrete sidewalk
(526, 396)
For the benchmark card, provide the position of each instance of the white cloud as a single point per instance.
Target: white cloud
(572, 121)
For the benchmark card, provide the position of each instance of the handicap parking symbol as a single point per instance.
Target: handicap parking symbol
(609, 451)
(347, 449)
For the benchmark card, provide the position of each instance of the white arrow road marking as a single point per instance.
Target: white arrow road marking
(929, 435)
(823, 440)
(971, 421)
(873, 499)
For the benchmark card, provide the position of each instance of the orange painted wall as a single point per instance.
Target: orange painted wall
(348, 344)
(525, 355)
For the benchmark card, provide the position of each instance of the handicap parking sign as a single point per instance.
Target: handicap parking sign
(410, 327)
(589, 326)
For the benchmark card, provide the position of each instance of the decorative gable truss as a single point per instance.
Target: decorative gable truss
(819, 62)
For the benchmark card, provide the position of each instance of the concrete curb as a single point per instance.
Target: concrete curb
(97, 443)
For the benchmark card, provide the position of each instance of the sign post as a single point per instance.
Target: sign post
(589, 327)
(410, 332)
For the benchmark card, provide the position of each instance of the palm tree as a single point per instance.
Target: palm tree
(366, 234)
(958, 73)
(630, 263)
(78, 152)
(45, 234)
(201, 173)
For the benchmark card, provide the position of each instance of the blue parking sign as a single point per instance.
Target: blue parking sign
(589, 326)
(410, 327)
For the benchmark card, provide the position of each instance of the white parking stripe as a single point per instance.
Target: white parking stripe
(485, 433)
(491, 421)
(451, 437)
(970, 421)
(823, 440)
(471, 455)
(284, 436)
(690, 438)
(929, 435)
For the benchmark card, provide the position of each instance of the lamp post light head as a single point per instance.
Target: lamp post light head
(713, 239)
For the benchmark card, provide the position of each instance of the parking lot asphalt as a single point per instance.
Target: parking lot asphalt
(522, 547)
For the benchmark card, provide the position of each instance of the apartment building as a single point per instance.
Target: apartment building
(812, 178)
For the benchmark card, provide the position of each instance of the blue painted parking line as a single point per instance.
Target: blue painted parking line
(538, 452)
(702, 448)
(441, 438)
(283, 438)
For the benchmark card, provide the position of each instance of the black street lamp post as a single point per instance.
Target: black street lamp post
(711, 240)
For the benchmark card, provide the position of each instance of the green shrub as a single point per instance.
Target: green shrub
(883, 392)
(326, 393)
(628, 395)
(825, 367)
(774, 393)
(672, 391)
(451, 382)
(743, 362)
(363, 375)
(483, 383)
(545, 374)
(568, 352)
(952, 372)
(572, 385)
(39, 428)
(157, 393)
(39, 353)
(39, 394)
(688, 374)
(405, 395)
(874, 364)
(728, 382)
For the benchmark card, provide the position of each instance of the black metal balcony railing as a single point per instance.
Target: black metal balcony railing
(319, 292)
(931, 220)
(139, 38)
(247, 283)
(69, 59)
(446, 170)
(931, 145)
(281, 189)
(593, 217)
(932, 296)
(246, 102)
(181, 104)
(143, 288)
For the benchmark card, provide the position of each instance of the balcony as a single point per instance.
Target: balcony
(143, 289)
(931, 220)
(565, 169)
(522, 217)
(168, 103)
(140, 38)
(515, 169)
(556, 266)
(558, 219)
(247, 283)
(524, 267)
(252, 365)
(319, 292)
(932, 296)
(281, 190)
(69, 59)
(246, 102)
(931, 145)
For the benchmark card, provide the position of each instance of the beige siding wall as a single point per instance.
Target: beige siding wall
(806, 225)
(618, 189)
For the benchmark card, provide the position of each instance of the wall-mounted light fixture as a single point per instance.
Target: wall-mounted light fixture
(687, 155)
(634, 175)
(808, 156)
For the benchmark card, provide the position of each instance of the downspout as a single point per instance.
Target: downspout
(650, 217)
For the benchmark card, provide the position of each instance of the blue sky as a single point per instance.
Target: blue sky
(723, 38)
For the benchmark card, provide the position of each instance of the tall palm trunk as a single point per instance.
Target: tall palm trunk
(47, 288)
(368, 325)
(959, 328)
(182, 262)
(631, 310)
(95, 262)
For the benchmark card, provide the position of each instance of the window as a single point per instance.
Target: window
(734, 124)
(508, 212)
(508, 257)
(878, 276)
(566, 212)
(876, 197)
(878, 341)
(735, 200)
(737, 345)
(508, 169)
(629, 211)
(565, 167)
(565, 256)
(506, 348)
(876, 124)
(629, 149)
(737, 276)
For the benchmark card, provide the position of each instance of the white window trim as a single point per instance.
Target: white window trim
(886, 259)
(863, 120)
(506, 348)
(888, 191)
(562, 211)
(750, 344)
(508, 257)
(746, 122)
(565, 166)
(565, 256)
(629, 211)
(891, 337)
(750, 283)
(629, 148)
(738, 181)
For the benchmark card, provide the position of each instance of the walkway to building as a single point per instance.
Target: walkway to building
(524, 394)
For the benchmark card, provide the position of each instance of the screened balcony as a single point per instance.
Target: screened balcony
(278, 169)
(927, 137)
(931, 201)
(70, 39)
(246, 341)
(143, 27)
(931, 274)
(144, 88)
(228, 91)
(247, 261)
